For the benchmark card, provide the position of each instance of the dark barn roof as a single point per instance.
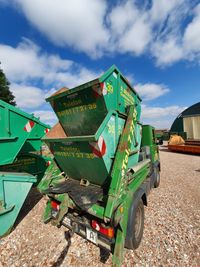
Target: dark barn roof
(177, 125)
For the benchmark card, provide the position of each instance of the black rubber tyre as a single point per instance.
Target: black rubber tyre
(157, 177)
(135, 224)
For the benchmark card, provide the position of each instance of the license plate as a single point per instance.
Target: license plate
(91, 235)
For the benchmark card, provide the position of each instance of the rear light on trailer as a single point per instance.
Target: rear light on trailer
(108, 231)
(55, 205)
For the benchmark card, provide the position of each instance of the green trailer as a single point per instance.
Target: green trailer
(21, 163)
(104, 166)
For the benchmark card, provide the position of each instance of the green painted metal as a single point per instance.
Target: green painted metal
(79, 159)
(149, 140)
(121, 162)
(120, 193)
(28, 162)
(14, 188)
(82, 109)
(20, 163)
(18, 130)
(104, 111)
(52, 176)
(125, 201)
(88, 152)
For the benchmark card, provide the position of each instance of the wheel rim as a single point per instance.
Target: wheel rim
(138, 222)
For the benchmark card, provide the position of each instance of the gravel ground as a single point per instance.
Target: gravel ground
(171, 235)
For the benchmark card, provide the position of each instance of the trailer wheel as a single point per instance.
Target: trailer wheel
(157, 177)
(135, 224)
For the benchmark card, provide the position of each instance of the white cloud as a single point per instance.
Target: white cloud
(179, 43)
(20, 63)
(27, 62)
(158, 112)
(46, 116)
(162, 8)
(191, 37)
(96, 28)
(27, 96)
(30, 98)
(53, 72)
(150, 91)
(160, 117)
(167, 51)
(140, 29)
(136, 38)
(122, 16)
(70, 78)
(77, 23)
(26, 65)
(160, 124)
(130, 29)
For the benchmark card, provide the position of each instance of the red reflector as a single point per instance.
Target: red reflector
(95, 225)
(48, 163)
(54, 205)
(105, 231)
(47, 130)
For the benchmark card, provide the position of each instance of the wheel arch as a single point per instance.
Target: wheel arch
(141, 193)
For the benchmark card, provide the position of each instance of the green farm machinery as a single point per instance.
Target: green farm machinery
(21, 163)
(105, 163)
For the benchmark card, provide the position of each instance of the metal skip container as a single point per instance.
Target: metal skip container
(92, 116)
(19, 132)
(20, 135)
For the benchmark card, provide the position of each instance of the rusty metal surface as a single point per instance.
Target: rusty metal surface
(185, 148)
(56, 132)
(61, 90)
(194, 142)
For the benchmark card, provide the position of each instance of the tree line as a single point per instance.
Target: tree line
(5, 93)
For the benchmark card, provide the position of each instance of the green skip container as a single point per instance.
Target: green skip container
(19, 132)
(92, 116)
(14, 188)
(82, 109)
(20, 163)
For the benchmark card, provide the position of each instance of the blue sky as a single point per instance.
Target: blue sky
(45, 45)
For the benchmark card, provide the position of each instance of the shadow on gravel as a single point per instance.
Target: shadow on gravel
(64, 252)
(104, 254)
(32, 199)
(197, 170)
